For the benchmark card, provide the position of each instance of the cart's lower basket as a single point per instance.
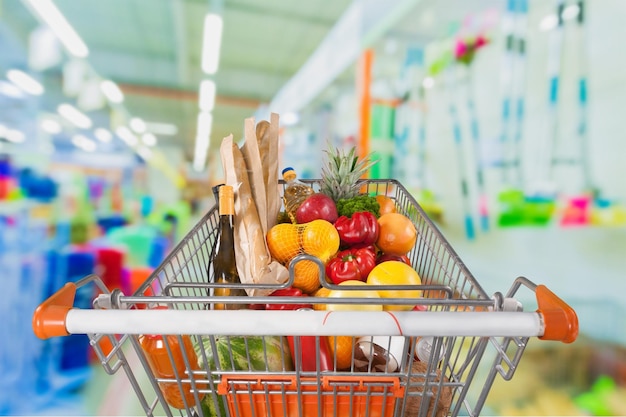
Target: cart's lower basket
(356, 396)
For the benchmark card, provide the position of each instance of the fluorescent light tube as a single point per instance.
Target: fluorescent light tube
(48, 12)
(203, 135)
(205, 123)
(206, 97)
(137, 124)
(149, 139)
(548, 23)
(111, 91)
(25, 82)
(103, 135)
(10, 90)
(51, 126)
(75, 116)
(211, 43)
(199, 155)
(198, 164)
(162, 128)
(127, 136)
(144, 152)
(14, 135)
(84, 143)
(570, 12)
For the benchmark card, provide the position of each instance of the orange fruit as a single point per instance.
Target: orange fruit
(364, 293)
(306, 276)
(283, 242)
(341, 347)
(321, 292)
(395, 273)
(320, 239)
(387, 205)
(397, 234)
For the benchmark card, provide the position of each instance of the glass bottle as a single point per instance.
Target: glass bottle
(295, 192)
(224, 262)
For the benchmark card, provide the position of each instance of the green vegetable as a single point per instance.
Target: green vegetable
(238, 353)
(363, 202)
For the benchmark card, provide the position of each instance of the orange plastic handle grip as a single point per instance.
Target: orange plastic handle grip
(559, 319)
(49, 317)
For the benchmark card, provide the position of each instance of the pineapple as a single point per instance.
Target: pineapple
(341, 173)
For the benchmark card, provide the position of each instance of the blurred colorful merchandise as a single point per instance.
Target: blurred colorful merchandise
(110, 263)
(382, 140)
(588, 378)
(465, 49)
(520, 210)
(605, 398)
(427, 200)
(7, 182)
(605, 212)
(577, 211)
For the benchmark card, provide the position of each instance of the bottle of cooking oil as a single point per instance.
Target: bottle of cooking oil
(295, 192)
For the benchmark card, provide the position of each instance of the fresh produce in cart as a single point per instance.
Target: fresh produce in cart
(317, 206)
(397, 234)
(360, 229)
(379, 362)
(318, 238)
(241, 353)
(396, 273)
(351, 264)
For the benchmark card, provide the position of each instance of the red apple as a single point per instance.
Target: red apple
(317, 206)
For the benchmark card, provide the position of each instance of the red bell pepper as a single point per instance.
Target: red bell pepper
(309, 353)
(350, 264)
(360, 229)
(287, 292)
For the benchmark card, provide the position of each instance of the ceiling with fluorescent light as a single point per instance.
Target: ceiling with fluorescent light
(152, 49)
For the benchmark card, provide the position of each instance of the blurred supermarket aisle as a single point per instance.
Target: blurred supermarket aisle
(503, 118)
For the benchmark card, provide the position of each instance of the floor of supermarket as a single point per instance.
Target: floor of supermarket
(501, 118)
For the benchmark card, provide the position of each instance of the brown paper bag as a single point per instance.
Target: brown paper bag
(439, 402)
(252, 156)
(254, 263)
(274, 190)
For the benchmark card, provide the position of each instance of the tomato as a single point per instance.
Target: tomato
(397, 234)
(395, 273)
(387, 205)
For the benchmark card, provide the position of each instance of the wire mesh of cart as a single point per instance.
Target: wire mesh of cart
(420, 357)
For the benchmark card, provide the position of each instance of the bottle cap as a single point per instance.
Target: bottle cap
(289, 174)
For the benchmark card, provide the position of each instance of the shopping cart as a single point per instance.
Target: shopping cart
(242, 365)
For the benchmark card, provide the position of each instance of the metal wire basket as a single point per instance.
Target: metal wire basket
(421, 360)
